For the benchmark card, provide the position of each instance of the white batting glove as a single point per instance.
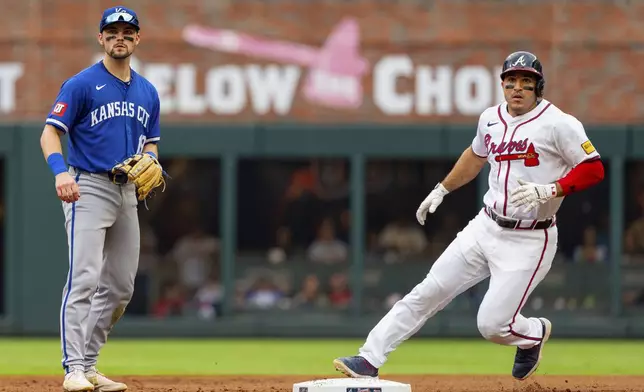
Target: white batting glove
(531, 194)
(431, 202)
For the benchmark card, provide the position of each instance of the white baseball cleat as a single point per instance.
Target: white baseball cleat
(103, 384)
(75, 381)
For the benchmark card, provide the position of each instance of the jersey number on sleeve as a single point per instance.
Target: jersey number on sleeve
(139, 149)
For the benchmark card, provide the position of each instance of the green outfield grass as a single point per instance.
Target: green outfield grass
(275, 357)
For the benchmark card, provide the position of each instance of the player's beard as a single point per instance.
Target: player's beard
(119, 56)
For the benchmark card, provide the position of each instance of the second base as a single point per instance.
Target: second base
(351, 385)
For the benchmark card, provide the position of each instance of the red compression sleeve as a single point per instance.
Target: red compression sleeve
(582, 176)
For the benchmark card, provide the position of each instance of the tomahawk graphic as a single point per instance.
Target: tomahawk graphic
(334, 77)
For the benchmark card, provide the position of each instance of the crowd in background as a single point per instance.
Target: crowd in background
(294, 214)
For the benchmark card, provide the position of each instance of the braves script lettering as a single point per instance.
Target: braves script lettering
(513, 150)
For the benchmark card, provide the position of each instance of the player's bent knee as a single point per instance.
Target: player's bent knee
(491, 324)
(489, 332)
(492, 330)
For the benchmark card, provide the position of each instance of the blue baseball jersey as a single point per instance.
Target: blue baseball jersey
(106, 119)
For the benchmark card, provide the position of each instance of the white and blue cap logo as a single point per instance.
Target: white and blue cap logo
(118, 14)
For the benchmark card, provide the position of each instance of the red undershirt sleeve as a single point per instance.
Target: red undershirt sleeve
(579, 153)
(582, 176)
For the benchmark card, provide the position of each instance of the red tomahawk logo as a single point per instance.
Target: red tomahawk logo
(530, 157)
(335, 70)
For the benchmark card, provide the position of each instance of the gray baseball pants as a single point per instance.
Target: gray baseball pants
(104, 241)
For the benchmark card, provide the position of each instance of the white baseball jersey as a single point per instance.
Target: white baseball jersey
(540, 146)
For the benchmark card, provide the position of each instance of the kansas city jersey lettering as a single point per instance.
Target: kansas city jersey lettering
(118, 109)
(106, 119)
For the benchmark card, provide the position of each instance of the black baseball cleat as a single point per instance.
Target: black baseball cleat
(355, 367)
(527, 361)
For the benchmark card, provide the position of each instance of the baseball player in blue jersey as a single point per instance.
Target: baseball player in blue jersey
(110, 115)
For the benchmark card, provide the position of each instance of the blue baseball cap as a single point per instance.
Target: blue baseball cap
(118, 14)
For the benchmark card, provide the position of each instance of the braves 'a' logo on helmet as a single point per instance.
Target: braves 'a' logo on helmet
(528, 62)
(520, 62)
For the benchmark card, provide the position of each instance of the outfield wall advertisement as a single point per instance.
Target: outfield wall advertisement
(336, 63)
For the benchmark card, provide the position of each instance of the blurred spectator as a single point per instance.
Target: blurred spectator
(401, 239)
(300, 204)
(263, 294)
(326, 179)
(171, 301)
(303, 181)
(316, 190)
(195, 255)
(590, 251)
(283, 248)
(326, 248)
(310, 295)
(209, 297)
(333, 179)
(192, 195)
(339, 292)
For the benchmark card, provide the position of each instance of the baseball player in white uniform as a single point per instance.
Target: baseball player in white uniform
(537, 154)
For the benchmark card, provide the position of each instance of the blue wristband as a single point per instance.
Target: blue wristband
(56, 163)
(151, 153)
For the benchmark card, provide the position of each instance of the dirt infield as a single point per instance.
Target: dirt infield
(285, 383)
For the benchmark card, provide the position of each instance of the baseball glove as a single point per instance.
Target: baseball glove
(142, 170)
